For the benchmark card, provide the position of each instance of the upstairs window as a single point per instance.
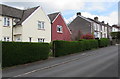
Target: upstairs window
(59, 29)
(41, 39)
(41, 25)
(95, 26)
(6, 21)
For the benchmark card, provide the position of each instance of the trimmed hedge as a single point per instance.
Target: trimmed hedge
(62, 48)
(15, 53)
(103, 42)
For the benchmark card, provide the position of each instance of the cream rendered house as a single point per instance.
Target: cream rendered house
(30, 25)
(5, 28)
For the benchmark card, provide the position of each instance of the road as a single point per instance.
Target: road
(102, 62)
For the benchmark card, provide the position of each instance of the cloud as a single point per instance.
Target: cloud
(96, 6)
(112, 18)
(59, 0)
(70, 19)
(63, 5)
(50, 6)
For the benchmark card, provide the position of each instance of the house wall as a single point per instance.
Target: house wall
(5, 31)
(97, 30)
(17, 32)
(30, 27)
(114, 29)
(104, 31)
(1, 27)
(60, 36)
(79, 26)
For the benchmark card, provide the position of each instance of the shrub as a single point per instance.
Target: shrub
(15, 53)
(87, 36)
(62, 48)
(103, 42)
(115, 35)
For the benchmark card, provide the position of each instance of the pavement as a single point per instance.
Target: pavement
(102, 62)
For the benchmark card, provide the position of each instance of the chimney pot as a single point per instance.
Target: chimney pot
(78, 13)
(103, 22)
(96, 18)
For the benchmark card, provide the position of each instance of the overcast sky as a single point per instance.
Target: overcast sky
(106, 10)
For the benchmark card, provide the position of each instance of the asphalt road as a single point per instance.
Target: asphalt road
(101, 62)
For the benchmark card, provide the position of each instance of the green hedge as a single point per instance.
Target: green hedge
(103, 42)
(15, 53)
(62, 48)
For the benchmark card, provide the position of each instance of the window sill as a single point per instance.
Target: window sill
(6, 26)
(42, 29)
(60, 32)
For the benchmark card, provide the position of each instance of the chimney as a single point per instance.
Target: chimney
(78, 13)
(107, 23)
(103, 22)
(96, 18)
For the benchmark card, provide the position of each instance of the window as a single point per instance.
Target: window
(6, 21)
(59, 29)
(30, 39)
(95, 26)
(104, 28)
(6, 38)
(41, 25)
(41, 39)
(18, 39)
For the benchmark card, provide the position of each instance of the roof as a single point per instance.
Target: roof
(116, 26)
(94, 21)
(53, 16)
(84, 18)
(10, 11)
(26, 14)
(16, 13)
(98, 22)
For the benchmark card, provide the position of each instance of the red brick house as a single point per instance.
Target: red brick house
(59, 28)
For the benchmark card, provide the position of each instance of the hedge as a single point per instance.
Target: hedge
(103, 42)
(15, 53)
(62, 48)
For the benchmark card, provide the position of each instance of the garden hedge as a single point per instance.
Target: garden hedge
(62, 48)
(103, 42)
(15, 53)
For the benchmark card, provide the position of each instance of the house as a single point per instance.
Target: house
(29, 25)
(97, 28)
(109, 30)
(104, 30)
(115, 28)
(59, 28)
(80, 26)
(100, 29)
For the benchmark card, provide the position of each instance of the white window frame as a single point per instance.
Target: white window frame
(30, 39)
(95, 26)
(18, 38)
(41, 39)
(59, 29)
(41, 25)
(6, 21)
(6, 38)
